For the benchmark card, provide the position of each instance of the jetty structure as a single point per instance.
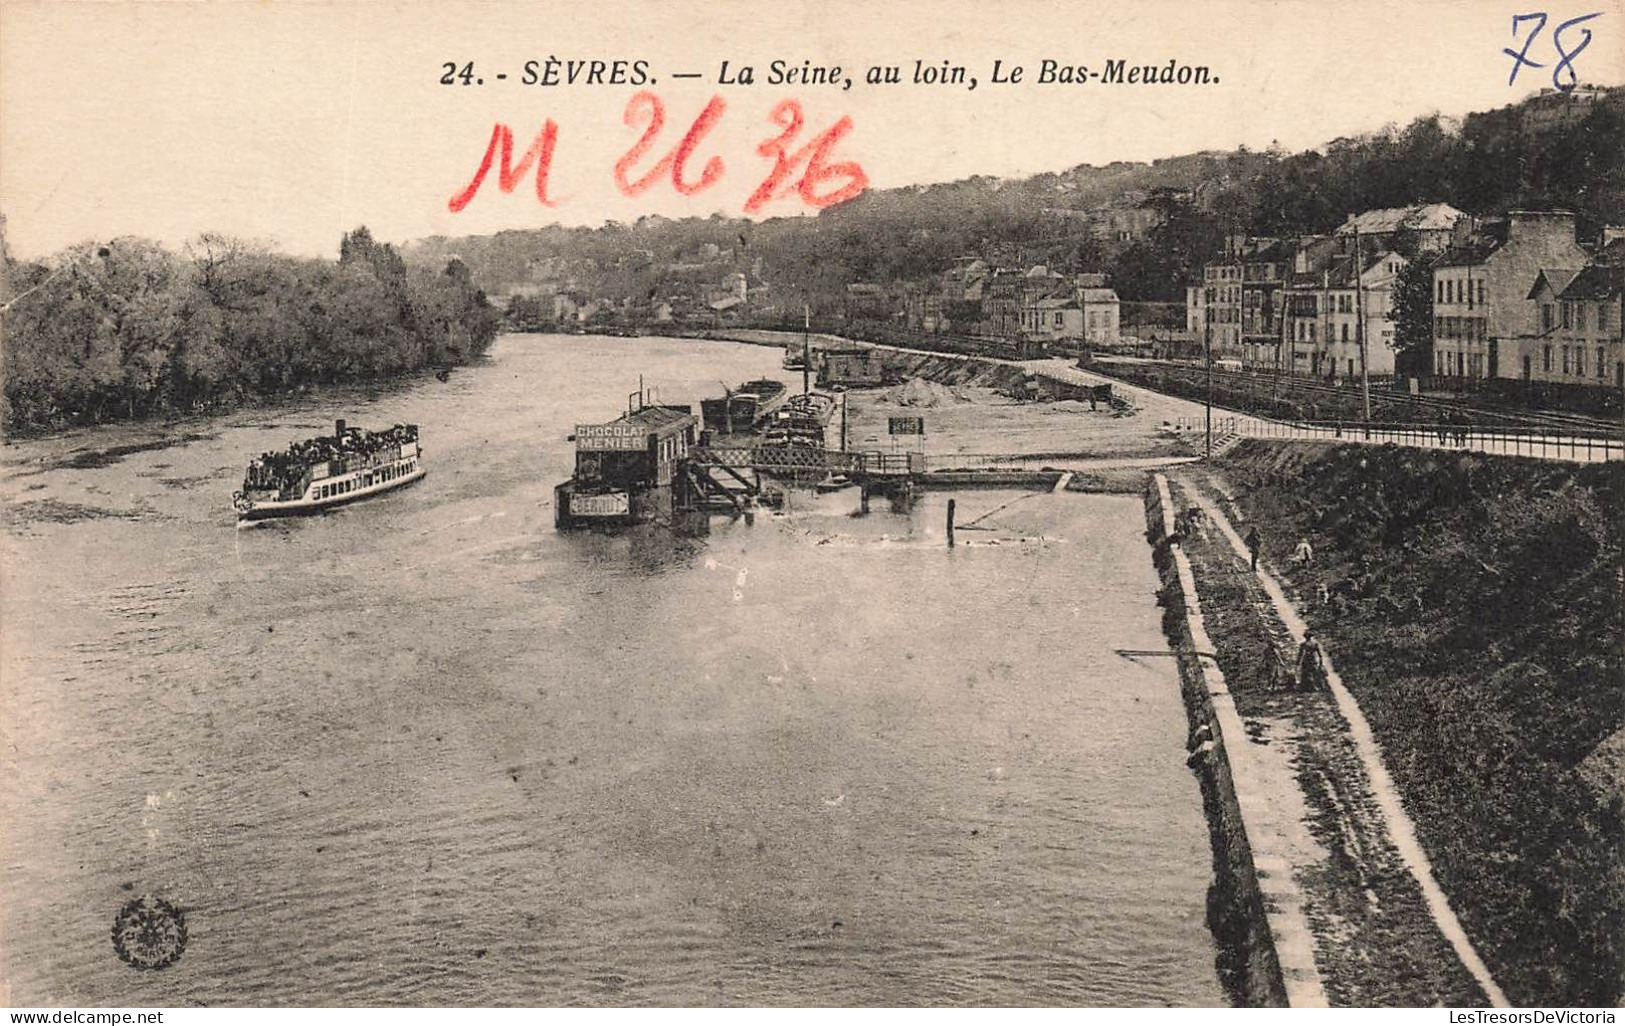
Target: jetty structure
(321, 473)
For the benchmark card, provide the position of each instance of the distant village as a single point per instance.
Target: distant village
(1423, 291)
(1518, 297)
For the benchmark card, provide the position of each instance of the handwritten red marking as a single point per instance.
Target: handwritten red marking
(674, 163)
(509, 175)
(787, 114)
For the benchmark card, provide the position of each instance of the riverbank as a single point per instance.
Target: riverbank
(1471, 612)
(974, 406)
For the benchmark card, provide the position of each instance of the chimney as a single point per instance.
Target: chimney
(338, 429)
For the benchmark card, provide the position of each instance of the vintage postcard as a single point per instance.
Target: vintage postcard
(923, 504)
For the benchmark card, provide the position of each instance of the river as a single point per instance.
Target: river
(428, 750)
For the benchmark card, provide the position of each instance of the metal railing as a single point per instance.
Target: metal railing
(782, 458)
(1541, 443)
(790, 459)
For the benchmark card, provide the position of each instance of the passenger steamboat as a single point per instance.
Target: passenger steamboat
(327, 471)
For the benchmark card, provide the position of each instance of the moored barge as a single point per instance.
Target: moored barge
(745, 408)
(328, 471)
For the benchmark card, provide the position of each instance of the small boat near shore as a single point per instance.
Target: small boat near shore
(321, 473)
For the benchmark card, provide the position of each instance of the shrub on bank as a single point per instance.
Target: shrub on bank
(1475, 612)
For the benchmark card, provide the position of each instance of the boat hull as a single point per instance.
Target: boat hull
(303, 507)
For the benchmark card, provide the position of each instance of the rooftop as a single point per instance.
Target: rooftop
(655, 418)
(1556, 278)
(1596, 281)
(1423, 217)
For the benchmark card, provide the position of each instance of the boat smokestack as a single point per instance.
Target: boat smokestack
(338, 429)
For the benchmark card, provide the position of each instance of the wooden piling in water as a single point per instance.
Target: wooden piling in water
(950, 523)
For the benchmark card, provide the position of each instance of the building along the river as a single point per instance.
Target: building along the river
(625, 468)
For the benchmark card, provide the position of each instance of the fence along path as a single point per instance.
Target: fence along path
(1539, 443)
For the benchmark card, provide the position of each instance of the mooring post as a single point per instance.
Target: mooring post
(950, 523)
(863, 491)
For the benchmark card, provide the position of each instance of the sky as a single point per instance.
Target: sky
(294, 122)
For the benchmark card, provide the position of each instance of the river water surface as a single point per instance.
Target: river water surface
(428, 750)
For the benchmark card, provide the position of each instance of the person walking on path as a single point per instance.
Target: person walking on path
(1311, 663)
(1274, 669)
(1254, 543)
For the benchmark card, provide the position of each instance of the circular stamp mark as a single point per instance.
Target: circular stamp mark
(149, 933)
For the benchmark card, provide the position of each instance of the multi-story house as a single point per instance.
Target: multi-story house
(1594, 302)
(1482, 314)
(1101, 312)
(1052, 318)
(1221, 290)
(1579, 315)
(1073, 314)
(1195, 309)
(1241, 300)
(1538, 355)
(1356, 308)
(1001, 302)
(1264, 267)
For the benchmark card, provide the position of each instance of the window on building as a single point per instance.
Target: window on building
(1565, 359)
(1546, 359)
(1579, 361)
(1602, 316)
(1546, 317)
(1580, 316)
(1568, 315)
(1481, 292)
(1602, 361)
(1438, 327)
(1440, 285)
(1345, 331)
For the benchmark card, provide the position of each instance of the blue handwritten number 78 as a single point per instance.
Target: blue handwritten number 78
(1520, 58)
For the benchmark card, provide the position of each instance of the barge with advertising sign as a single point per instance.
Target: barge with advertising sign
(625, 469)
(320, 473)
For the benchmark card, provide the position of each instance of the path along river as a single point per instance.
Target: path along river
(426, 749)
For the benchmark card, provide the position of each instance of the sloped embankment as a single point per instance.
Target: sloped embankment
(1474, 610)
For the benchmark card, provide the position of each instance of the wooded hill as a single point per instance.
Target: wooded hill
(1550, 150)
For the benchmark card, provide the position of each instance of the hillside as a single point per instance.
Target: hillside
(1550, 150)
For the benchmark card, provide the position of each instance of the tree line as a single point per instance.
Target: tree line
(127, 329)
